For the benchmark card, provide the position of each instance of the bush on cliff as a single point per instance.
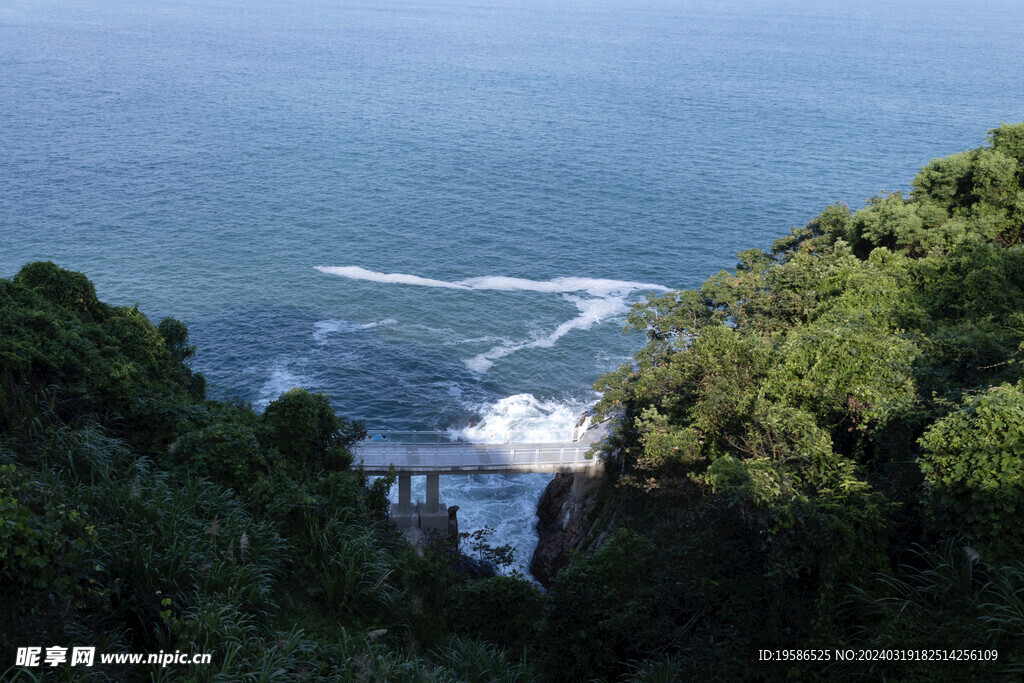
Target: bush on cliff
(834, 402)
(135, 515)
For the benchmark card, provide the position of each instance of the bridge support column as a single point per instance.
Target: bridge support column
(433, 490)
(433, 514)
(405, 492)
(403, 514)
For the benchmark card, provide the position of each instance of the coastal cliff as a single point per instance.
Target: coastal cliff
(564, 521)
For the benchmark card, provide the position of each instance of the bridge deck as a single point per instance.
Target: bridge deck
(475, 458)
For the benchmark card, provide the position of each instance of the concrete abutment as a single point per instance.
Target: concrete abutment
(431, 514)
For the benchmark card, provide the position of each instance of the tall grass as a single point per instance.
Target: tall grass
(350, 570)
(173, 563)
(180, 563)
(946, 598)
(665, 670)
(469, 659)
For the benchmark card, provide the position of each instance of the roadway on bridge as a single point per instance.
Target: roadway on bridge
(479, 458)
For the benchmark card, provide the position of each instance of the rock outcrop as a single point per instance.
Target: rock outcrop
(563, 521)
(453, 523)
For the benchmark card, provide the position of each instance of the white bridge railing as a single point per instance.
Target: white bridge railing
(469, 457)
(415, 453)
(413, 438)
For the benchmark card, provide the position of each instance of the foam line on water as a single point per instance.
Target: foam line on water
(323, 328)
(610, 299)
(592, 311)
(594, 286)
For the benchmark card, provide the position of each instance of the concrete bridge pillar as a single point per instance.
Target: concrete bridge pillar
(403, 514)
(434, 513)
(405, 492)
(433, 491)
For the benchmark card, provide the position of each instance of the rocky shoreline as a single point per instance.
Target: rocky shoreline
(564, 521)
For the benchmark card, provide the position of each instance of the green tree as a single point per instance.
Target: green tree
(974, 471)
(305, 429)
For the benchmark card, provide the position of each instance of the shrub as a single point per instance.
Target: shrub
(502, 609)
(304, 428)
(974, 472)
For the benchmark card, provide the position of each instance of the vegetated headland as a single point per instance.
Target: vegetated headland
(822, 450)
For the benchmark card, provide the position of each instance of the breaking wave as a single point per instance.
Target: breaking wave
(522, 418)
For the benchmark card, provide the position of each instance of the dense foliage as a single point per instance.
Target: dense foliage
(809, 433)
(821, 449)
(138, 516)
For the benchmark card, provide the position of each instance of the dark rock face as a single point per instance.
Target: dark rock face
(563, 514)
(453, 523)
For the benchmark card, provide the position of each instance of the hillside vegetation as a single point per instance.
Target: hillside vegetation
(821, 449)
(138, 516)
(825, 447)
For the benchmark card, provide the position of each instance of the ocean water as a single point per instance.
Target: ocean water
(438, 212)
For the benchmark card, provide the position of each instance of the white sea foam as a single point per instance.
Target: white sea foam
(453, 389)
(522, 418)
(357, 273)
(593, 286)
(506, 503)
(281, 380)
(592, 312)
(611, 298)
(323, 328)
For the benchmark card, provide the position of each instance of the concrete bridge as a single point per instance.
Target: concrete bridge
(432, 454)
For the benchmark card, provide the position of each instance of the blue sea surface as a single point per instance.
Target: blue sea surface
(439, 212)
